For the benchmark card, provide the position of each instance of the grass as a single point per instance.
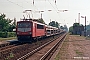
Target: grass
(62, 53)
(88, 38)
(63, 50)
(10, 38)
(10, 56)
(79, 53)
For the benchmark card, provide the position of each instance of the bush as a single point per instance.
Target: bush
(7, 34)
(11, 34)
(3, 34)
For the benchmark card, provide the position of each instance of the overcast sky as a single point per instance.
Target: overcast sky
(15, 8)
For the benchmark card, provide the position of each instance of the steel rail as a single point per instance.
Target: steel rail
(34, 51)
(47, 56)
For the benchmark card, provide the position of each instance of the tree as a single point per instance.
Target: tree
(76, 24)
(71, 29)
(5, 24)
(13, 25)
(61, 27)
(41, 21)
(65, 28)
(54, 24)
(57, 25)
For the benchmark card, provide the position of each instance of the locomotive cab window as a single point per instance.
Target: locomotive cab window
(25, 25)
(40, 26)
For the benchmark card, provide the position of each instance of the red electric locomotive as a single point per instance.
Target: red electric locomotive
(28, 29)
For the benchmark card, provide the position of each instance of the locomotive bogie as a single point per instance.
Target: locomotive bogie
(24, 38)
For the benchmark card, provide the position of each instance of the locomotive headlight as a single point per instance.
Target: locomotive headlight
(30, 33)
(17, 32)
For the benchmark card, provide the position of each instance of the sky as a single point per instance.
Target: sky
(15, 8)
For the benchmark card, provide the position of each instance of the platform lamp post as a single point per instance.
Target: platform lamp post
(85, 25)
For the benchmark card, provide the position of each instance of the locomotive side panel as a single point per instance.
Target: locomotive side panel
(40, 30)
(34, 30)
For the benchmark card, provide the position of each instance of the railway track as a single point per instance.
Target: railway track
(3, 44)
(7, 51)
(9, 45)
(45, 51)
(15, 52)
(51, 51)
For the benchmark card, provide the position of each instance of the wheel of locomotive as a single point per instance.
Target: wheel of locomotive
(31, 39)
(19, 39)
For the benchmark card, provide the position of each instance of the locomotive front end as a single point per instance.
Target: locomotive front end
(24, 31)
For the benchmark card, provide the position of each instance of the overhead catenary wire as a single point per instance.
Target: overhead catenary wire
(52, 5)
(56, 8)
(20, 5)
(15, 3)
(33, 4)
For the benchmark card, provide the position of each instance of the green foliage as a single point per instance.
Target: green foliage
(57, 25)
(76, 24)
(61, 27)
(71, 29)
(5, 24)
(11, 34)
(54, 24)
(41, 21)
(65, 28)
(9, 57)
(3, 34)
(7, 34)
